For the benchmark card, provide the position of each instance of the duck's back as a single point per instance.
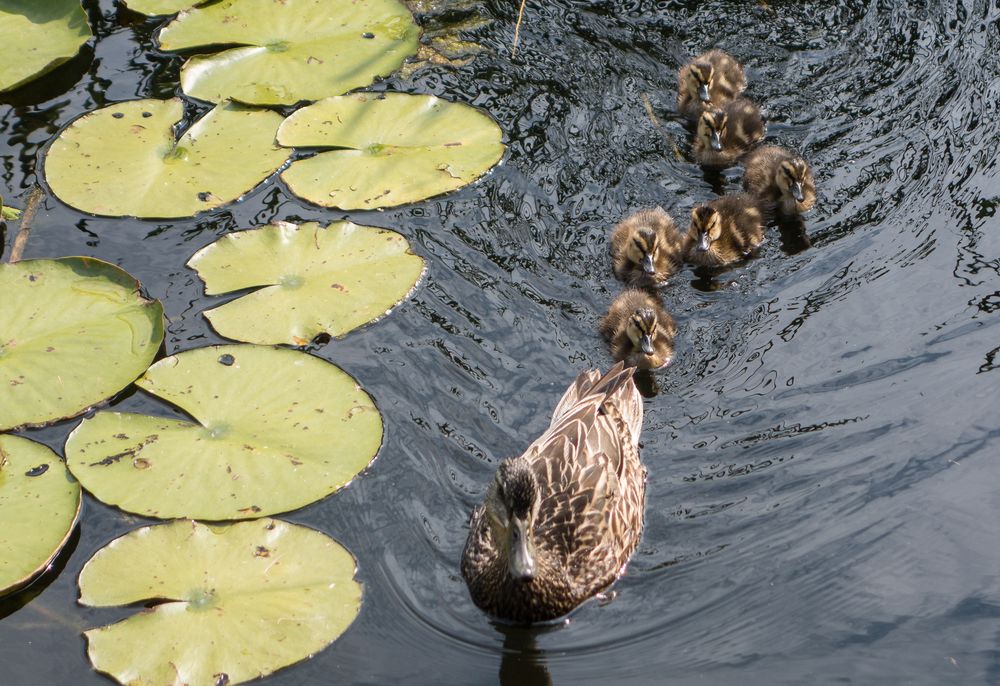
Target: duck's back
(591, 482)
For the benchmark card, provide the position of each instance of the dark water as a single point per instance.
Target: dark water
(823, 501)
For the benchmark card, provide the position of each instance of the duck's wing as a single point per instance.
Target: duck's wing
(580, 461)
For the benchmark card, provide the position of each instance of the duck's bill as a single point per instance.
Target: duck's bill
(716, 141)
(797, 192)
(703, 93)
(646, 343)
(704, 243)
(647, 264)
(522, 561)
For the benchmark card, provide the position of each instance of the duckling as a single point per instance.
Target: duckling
(646, 248)
(725, 230)
(639, 330)
(709, 81)
(782, 181)
(559, 522)
(727, 134)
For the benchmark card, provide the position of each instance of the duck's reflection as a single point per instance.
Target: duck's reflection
(794, 238)
(523, 664)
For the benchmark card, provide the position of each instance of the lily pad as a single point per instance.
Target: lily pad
(73, 332)
(233, 602)
(395, 149)
(39, 506)
(156, 8)
(291, 50)
(273, 430)
(36, 37)
(314, 280)
(125, 159)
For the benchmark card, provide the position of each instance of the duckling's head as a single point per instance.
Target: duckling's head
(641, 329)
(699, 81)
(512, 505)
(642, 249)
(791, 177)
(706, 222)
(712, 128)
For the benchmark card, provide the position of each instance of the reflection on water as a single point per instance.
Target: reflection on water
(821, 496)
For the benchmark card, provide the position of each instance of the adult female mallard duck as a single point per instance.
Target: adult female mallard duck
(725, 230)
(560, 521)
(646, 248)
(708, 82)
(727, 134)
(639, 330)
(781, 180)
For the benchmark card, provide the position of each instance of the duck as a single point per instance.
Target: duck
(559, 522)
(646, 248)
(782, 181)
(709, 81)
(639, 330)
(726, 134)
(725, 230)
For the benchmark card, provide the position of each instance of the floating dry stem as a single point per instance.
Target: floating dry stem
(27, 217)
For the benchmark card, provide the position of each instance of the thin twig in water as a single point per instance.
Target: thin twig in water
(28, 216)
(517, 29)
(659, 127)
(649, 111)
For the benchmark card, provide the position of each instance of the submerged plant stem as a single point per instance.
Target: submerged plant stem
(27, 217)
(517, 29)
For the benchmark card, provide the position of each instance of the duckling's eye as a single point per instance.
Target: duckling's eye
(515, 534)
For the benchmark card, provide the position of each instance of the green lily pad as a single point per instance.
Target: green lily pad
(125, 160)
(273, 430)
(314, 280)
(291, 50)
(395, 149)
(39, 505)
(156, 8)
(73, 332)
(37, 36)
(234, 602)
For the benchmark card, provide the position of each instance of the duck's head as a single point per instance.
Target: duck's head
(712, 129)
(642, 249)
(641, 330)
(699, 81)
(706, 225)
(512, 506)
(791, 178)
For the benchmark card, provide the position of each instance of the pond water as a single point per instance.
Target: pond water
(822, 502)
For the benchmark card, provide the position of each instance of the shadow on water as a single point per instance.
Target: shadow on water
(522, 663)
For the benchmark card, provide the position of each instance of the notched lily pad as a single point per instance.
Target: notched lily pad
(37, 36)
(314, 280)
(73, 332)
(291, 50)
(156, 8)
(125, 159)
(273, 430)
(39, 506)
(233, 602)
(391, 149)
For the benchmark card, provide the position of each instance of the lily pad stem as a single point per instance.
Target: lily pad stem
(28, 216)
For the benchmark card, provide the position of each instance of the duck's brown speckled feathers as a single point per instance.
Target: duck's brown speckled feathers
(725, 135)
(589, 511)
(714, 74)
(639, 330)
(781, 180)
(725, 230)
(646, 248)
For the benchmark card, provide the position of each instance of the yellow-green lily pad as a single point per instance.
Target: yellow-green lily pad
(393, 149)
(125, 159)
(36, 36)
(290, 50)
(156, 8)
(39, 506)
(273, 430)
(233, 603)
(312, 279)
(73, 332)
